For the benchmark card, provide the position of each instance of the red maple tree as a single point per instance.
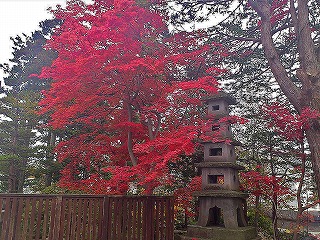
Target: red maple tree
(127, 92)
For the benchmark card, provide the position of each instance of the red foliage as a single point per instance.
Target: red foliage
(183, 196)
(288, 124)
(120, 81)
(263, 185)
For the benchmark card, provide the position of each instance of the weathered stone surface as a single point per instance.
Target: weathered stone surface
(219, 165)
(220, 194)
(217, 233)
(221, 95)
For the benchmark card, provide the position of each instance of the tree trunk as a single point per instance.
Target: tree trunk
(12, 180)
(313, 137)
(308, 74)
(50, 158)
(130, 140)
(256, 211)
(299, 191)
(274, 193)
(274, 218)
(14, 162)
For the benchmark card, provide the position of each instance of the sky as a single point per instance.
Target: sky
(21, 16)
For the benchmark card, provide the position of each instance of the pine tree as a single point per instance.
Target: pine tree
(18, 144)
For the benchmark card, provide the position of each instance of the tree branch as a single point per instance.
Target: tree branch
(309, 61)
(130, 140)
(293, 93)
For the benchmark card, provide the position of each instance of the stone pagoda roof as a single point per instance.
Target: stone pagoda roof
(221, 194)
(219, 165)
(232, 142)
(221, 95)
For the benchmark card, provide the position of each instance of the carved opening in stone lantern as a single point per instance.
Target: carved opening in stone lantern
(215, 128)
(215, 152)
(240, 218)
(215, 217)
(215, 107)
(216, 179)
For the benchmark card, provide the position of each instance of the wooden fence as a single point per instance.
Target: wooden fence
(85, 217)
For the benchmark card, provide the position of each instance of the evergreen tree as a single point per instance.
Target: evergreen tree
(19, 138)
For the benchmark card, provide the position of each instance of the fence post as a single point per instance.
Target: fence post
(57, 219)
(171, 217)
(105, 220)
(149, 218)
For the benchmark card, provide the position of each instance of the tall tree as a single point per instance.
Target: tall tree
(287, 31)
(123, 91)
(19, 105)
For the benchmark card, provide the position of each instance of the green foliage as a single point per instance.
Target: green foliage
(19, 138)
(264, 223)
(55, 189)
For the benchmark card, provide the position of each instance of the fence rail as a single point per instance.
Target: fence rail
(85, 217)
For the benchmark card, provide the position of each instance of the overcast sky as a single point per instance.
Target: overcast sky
(21, 16)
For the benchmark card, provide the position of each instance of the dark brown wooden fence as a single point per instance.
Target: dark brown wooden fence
(85, 217)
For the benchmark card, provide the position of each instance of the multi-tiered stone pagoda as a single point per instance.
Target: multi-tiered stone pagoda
(222, 206)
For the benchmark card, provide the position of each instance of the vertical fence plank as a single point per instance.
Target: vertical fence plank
(13, 218)
(140, 230)
(84, 214)
(149, 209)
(78, 214)
(103, 231)
(73, 229)
(95, 219)
(134, 219)
(57, 218)
(32, 217)
(39, 218)
(26, 218)
(68, 217)
(90, 220)
(169, 218)
(111, 222)
(74, 217)
(45, 218)
(130, 221)
(63, 217)
(19, 228)
(6, 219)
(52, 218)
(101, 222)
(123, 221)
(118, 217)
(161, 220)
(1, 214)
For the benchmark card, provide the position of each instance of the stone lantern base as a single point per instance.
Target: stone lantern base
(218, 233)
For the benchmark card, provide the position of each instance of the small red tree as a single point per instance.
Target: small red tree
(265, 182)
(124, 91)
(292, 126)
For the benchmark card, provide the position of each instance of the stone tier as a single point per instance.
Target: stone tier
(215, 117)
(220, 194)
(219, 165)
(230, 141)
(221, 96)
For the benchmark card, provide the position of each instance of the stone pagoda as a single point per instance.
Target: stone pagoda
(222, 206)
